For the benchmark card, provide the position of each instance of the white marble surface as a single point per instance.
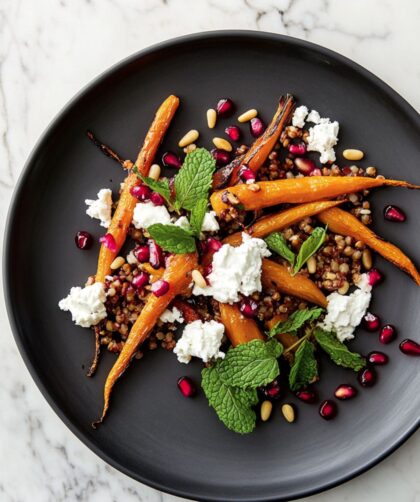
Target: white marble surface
(49, 49)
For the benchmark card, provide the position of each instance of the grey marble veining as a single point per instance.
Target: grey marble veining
(48, 51)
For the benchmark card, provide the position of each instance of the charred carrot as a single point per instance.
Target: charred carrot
(239, 329)
(274, 274)
(123, 215)
(178, 275)
(299, 190)
(188, 312)
(275, 222)
(344, 223)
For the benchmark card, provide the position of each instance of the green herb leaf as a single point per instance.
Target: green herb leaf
(251, 365)
(172, 238)
(296, 321)
(194, 179)
(277, 243)
(232, 405)
(310, 247)
(305, 367)
(161, 187)
(338, 352)
(197, 216)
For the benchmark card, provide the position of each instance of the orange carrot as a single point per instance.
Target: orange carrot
(239, 329)
(123, 215)
(299, 190)
(178, 275)
(344, 223)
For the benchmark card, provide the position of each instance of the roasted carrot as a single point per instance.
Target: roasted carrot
(274, 274)
(299, 190)
(178, 275)
(156, 273)
(239, 329)
(344, 223)
(123, 215)
(188, 312)
(275, 222)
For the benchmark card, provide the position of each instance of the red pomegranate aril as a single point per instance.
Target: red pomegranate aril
(273, 390)
(328, 409)
(156, 258)
(377, 358)
(410, 347)
(160, 287)
(220, 156)
(187, 387)
(371, 322)
(388, 334)
(367, 377)
(142, 253)
(140, 280)
(345, 391)
(257, 127)
(109, 242)
(247, 174)
(248, 307)
(233, 132)
(213, 244)
(170, 159)
(307, 396)
(83, 240)
(316, 172)
(157, 199)
(305, 166)
(394, 213)
(346, 170)
(207, 270)
(140, 192)
(225, 107)
(375, 276)
(297, 148)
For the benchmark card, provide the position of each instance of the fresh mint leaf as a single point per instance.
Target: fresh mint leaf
(338, 352)
(197, 216)
(310, 247)
(161, 186)
(172, 238)
(194, 179)
(251, 365)
(296, 321)
(277, 243)
(232, 405)
(305, 367)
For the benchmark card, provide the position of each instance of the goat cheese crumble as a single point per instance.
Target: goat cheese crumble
(322, 138)
(174, 315)
(210, 223)
(344, 312)
(200, 339)
(146, 214)
(101, 207)
(298, 119)
(235, 270)
(87, 305)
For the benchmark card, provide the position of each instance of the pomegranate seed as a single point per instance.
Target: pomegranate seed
(170, 159)
(160, 287)
(225, 107)
(156, 254)
(109, 242)
(273, 390)
(328, 409)
(83, 240)
(157, 199)
(248, 307)
(257, 127)
(394, 213)
(140, 192)
(367, 377)
(388, 334)
(410, 347)
(375, 276)
(371, 322)
(140, 280)
(305, 166)
(307, 396)
(346, 171)
(186, 386)
(208, 269)
(213, 244)
(316, 172)
(220, 156)
(233, 132)
(247, 174)
(377, 358)
(297, 149)
(345, 391)
(142, 253)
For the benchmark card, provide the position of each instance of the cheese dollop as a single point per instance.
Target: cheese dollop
(322, 138)
(101, 207)
(200, 339)
(174, 315)
(298, 119)
(146, 214)
(87, 305)
(210, 223)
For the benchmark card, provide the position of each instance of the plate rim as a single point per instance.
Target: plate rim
(393, 95)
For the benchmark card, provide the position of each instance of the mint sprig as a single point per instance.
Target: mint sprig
(309, 247)
(159, 186)
(338, 351)
(172, 238)
(197, 216)
(277, 243)
(304, 370)
(296, 321)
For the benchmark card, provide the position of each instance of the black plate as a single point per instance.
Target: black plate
(152, 433)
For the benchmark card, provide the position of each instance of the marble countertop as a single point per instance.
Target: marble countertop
(48, 51)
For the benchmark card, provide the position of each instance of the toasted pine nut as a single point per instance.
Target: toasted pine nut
(154, 172)
(371, 171)
(254, 187)
(248, 115)
(367, 259)
(266, 409)
(311, 264)
(211, 118)
(352, 154)
(189, 138)
(344, 288)
(198, 279)
(117, 263)
(223, 144)
(288, 412)
(190, 148)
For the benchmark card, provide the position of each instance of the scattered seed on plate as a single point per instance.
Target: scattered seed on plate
(222, 144)
(190, 148)
(353, 154)
(288, 412)
(154, 171)
(311, 264)
(198, 279)
(266, 409)
(248, 115)
(211, 118)
(189, 138)
(117, 263)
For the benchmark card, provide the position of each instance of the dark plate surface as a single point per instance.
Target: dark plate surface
(152, 433)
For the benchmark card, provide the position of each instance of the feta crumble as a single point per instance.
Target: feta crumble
(200, 339)
(87, 305)
(183, 222)
(322, 138)
(131, 259)
(344, 312)
(146, 214)
(314, 117)
(101, 207)
(298, 119)
(210, 223)
(173, 315)
(235, 270)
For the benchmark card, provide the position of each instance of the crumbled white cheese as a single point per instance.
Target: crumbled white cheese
(183, 222)
(87, 305)
(314, 117)
(235, 270)
(146, 214)
(173, 315)
(344, 312)
(131, 259)
(322, 138)
(298, 119)
(210, 223)
(101, 208)
(200, 339)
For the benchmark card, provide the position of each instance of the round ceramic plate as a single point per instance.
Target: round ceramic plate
(152, 433)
